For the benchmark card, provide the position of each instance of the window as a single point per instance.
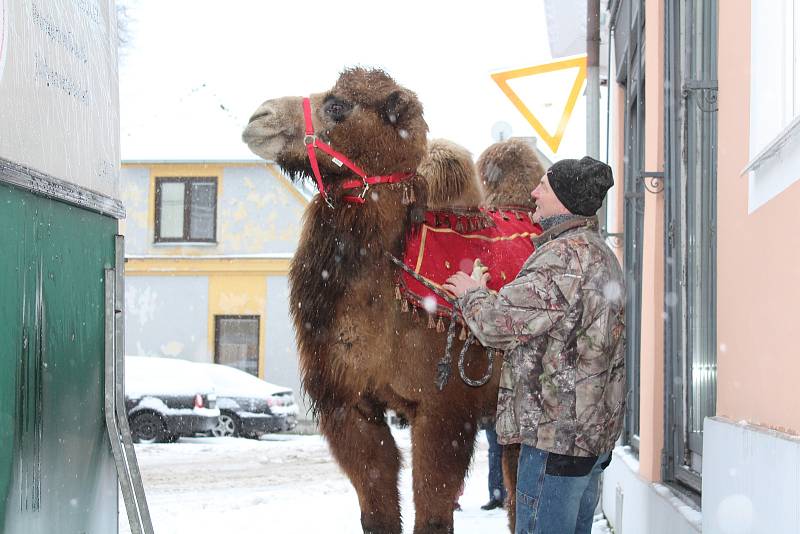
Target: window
(690, 226)
(774, 100)
(629, 36)
(186, 210)
(237, 339)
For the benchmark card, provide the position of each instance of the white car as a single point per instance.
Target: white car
(249, 406)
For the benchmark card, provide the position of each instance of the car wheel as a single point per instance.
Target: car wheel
(148, 428)
(227, 425)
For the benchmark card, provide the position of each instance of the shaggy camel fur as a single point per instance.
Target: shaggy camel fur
(510, 170)
(359, 354)
(451, 176)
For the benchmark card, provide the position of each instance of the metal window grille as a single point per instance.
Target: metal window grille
(690, 242)
(237, 341)
(628, 25)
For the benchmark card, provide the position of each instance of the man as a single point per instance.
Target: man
(497, 491)
(561, 323)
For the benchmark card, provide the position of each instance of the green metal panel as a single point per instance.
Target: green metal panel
(57, 471)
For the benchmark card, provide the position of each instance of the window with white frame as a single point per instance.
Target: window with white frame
(774, 159)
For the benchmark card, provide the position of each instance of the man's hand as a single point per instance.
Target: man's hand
(461, 282)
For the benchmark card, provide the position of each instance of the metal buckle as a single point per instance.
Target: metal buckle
(310, 139)
(363, 194)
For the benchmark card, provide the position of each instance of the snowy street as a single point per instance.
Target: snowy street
(283, 483)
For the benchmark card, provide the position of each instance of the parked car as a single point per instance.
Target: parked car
(249, 406)
(166, 398)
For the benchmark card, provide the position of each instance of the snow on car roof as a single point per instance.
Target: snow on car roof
(149, 375)
(231, 382)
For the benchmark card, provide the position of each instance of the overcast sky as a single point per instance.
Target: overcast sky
(194, 70)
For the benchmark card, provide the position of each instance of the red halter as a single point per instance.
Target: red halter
(312, 142)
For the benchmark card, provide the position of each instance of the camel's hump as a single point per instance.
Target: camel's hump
(451, 175)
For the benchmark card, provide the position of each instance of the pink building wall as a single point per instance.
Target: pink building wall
(758, 259)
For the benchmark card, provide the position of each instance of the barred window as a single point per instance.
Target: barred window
(237, 341)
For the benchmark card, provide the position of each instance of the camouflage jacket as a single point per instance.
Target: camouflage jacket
(561, 323)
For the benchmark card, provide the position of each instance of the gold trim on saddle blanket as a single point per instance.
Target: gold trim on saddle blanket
(426, 228)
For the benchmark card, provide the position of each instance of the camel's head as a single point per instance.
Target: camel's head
(510, 170)
(367, 117)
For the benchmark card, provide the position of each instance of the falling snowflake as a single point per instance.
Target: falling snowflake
(429, 303)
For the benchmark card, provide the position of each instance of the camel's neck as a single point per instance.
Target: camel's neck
(372, 228)
(342, 247)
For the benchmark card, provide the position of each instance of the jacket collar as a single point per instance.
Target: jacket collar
(557, 230)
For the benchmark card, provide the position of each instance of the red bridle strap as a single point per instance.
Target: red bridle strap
(312, 142)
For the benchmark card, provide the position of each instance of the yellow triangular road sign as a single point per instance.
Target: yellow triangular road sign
(553, 140)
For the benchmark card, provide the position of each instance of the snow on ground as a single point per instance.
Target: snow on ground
(283, 483)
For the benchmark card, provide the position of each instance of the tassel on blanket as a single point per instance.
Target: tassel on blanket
(404, 306)
(415, 315)
(440, 326)
(397, 294)
(463, 335)
(431, 324)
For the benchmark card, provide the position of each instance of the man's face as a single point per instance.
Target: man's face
(547, 203)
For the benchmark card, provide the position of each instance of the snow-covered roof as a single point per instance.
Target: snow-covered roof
(182, 124)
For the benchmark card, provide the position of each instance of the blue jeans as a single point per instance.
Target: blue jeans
(559, 498)
(496, 489)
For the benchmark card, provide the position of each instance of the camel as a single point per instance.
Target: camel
(359, 353)
(509, 171)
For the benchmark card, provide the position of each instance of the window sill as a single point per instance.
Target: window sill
(773, 148)
(202, 244)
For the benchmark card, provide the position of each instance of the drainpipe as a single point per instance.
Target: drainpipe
(593, 88)
(593, 78)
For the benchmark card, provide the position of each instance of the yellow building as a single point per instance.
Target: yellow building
(208, 245)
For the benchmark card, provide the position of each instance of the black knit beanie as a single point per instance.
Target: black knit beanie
(581, 184)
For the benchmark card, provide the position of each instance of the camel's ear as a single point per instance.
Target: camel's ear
(395, 107)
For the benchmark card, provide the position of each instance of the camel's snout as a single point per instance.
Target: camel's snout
(265, 111)
(266, 132)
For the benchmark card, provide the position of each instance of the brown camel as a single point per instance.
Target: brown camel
(510, 170)
(359, 353)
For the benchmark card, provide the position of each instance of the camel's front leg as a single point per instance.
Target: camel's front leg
(364, 448)
(442, 447)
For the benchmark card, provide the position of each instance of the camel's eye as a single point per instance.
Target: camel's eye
(337, 109)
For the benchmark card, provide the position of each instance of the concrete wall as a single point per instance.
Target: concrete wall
(167, 316)
(751, 479)
(257, 213)
(634, 505)
(282, 365)
(135, 194)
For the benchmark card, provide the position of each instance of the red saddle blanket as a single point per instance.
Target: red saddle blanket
(449, 241)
